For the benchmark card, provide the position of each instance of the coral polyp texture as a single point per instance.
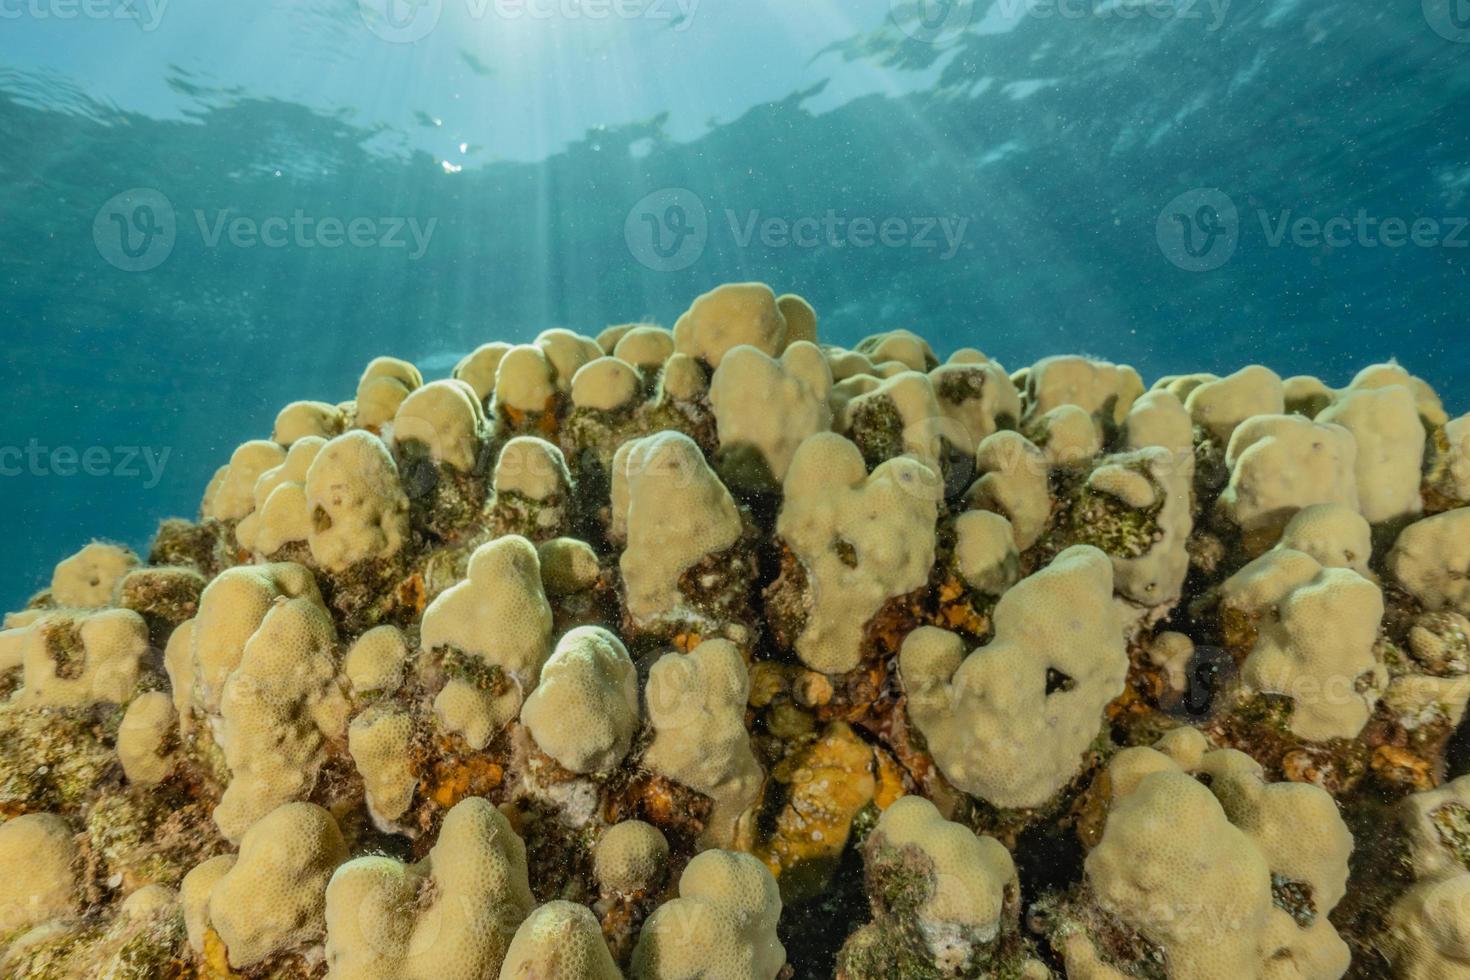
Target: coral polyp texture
(722, 652)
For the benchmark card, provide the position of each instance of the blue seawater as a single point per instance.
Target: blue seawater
(212, 209)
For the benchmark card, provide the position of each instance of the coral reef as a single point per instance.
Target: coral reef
(721, 651)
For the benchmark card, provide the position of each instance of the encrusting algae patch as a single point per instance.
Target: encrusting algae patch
(720, 652)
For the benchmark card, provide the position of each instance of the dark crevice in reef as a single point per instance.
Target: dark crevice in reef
(814, 930)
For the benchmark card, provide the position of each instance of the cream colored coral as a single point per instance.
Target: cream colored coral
(477, 368)
(696, 704)
(765, 407)
(450, 917)
(971, 875)
(525, 380)
(1428, 929)
(42, 871)
(384, 384)
(1282, 463)
(1150, 483)
(1067, 436)
(1390, 460)
(72, 660)
(1160, 419)
(1433, 851)
(801, 319)
(1182, 385)
(1449, 473)
(606, 384)
(903, 410)
(1297, 828)
(144, 739)
(862, 538)
(1431, 558)
(358, 509)
(1195, 870)
(985, 551)
(272, 897)
(1336, 536)
(533, 469)
(670, 510)
(566, 352)
(584, 713)
(1009, 722)
(280, 708)
(498, 616)
(305, 419)
(568, 566)
(846, 364)
(1104, 391)
(683, 380)
(645, 346)
(149, 902)
(380, 741)
(561, 940)
(178, 663)
(1431, 410)
(375, 663)
(721, 927)
(194, 893)
(234, 496)
(87, 579)
(1171, 865)
(1013, 482)
(1306, 395)
(608, 337)
(630, 857)
(1316, 632)
(1220, 406)
(446, 419)
(977, 396)
(728, 316)
(281, 514)
(230, 611)
(902, 346)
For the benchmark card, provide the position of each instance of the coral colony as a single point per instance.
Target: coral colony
(687, 653)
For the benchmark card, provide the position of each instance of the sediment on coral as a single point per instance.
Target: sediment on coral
(723, 651)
